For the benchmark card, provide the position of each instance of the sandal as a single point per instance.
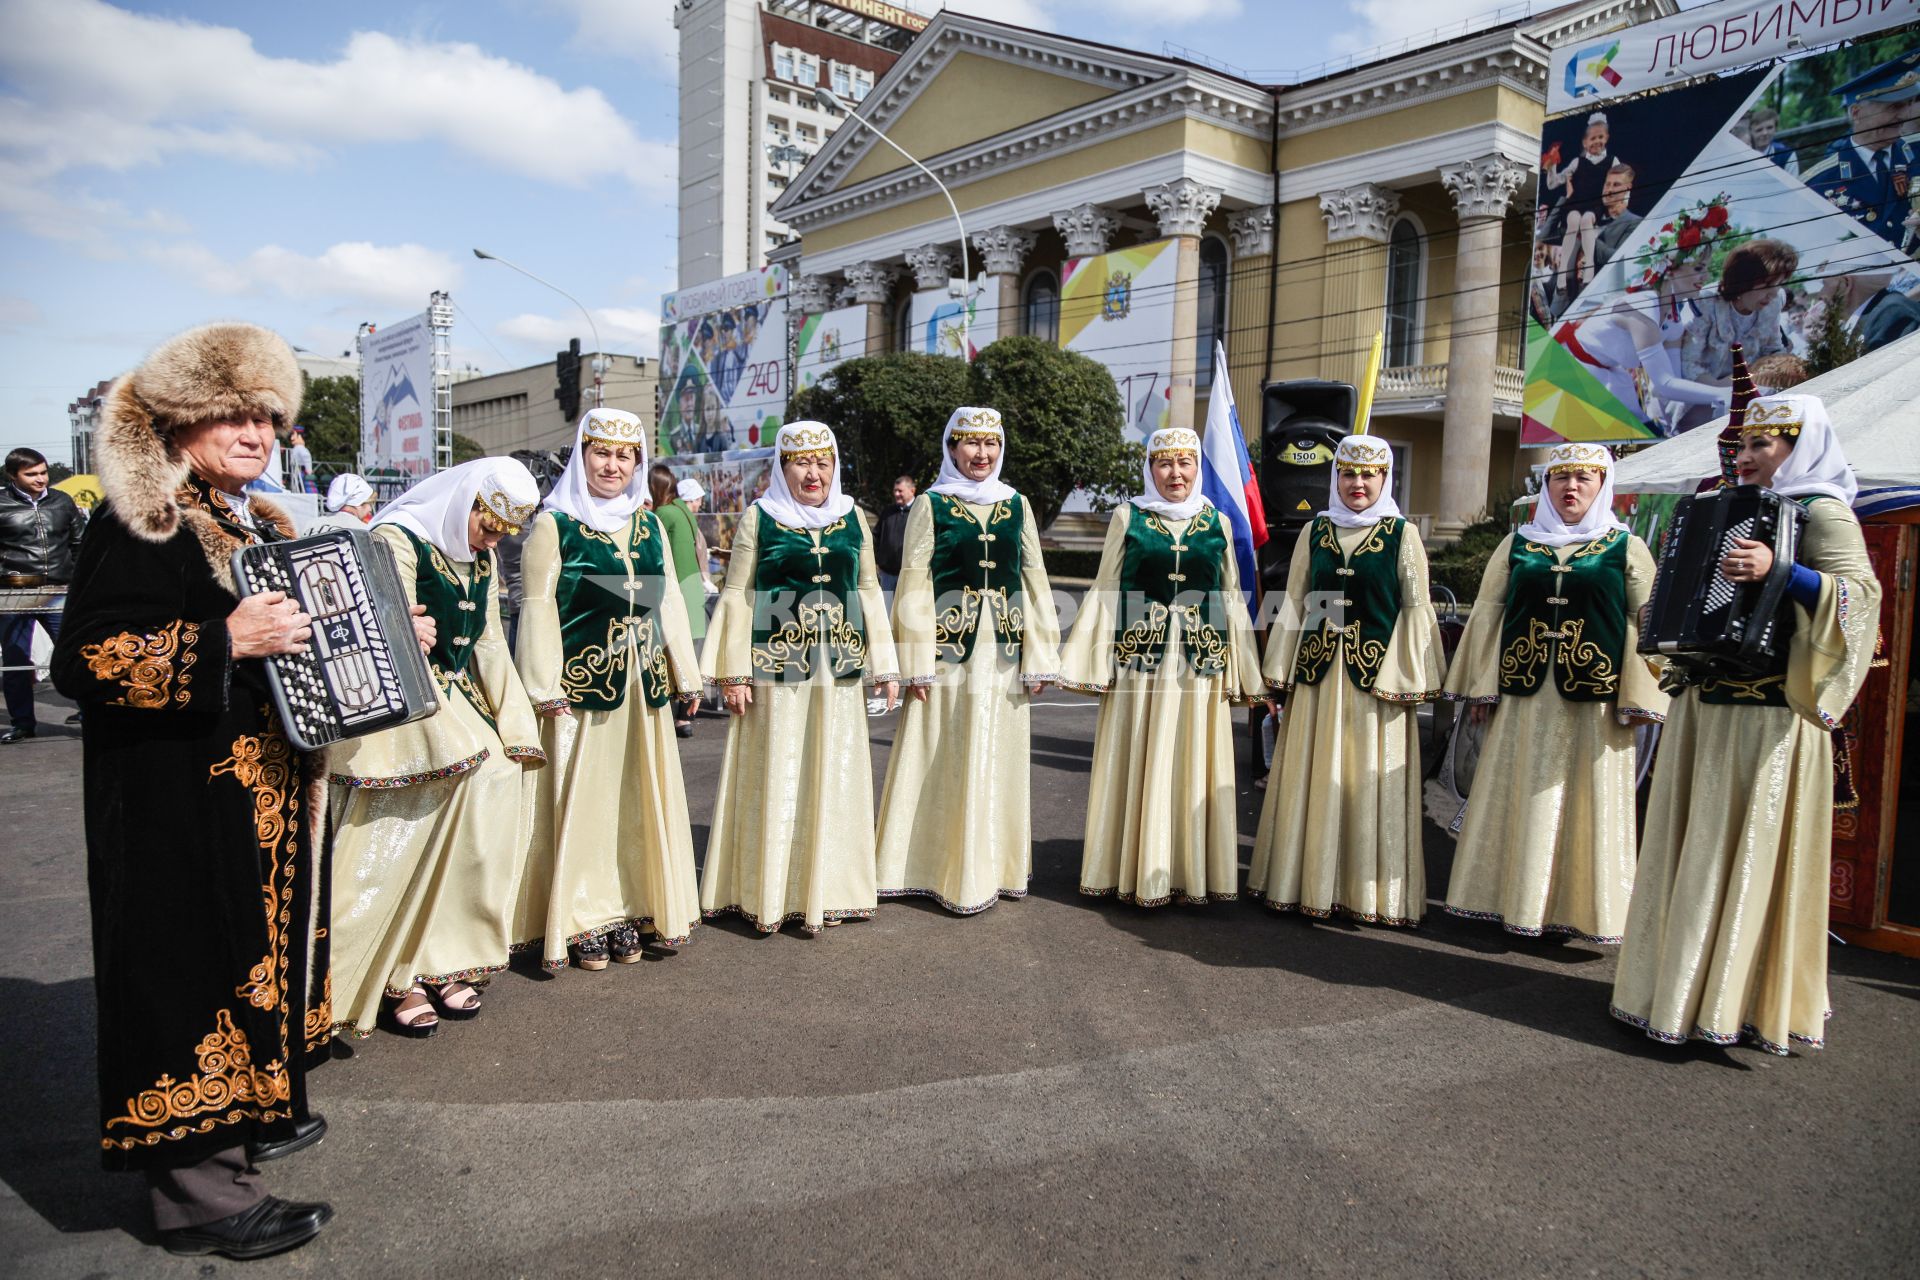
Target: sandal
(656, 941)
(455, 1000)
(624, 945)
(412, 1015)
(589, 954)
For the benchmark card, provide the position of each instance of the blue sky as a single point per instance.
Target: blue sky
(312, 166)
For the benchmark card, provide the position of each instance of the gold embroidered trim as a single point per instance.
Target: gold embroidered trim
(227, 1079)
(794, 644)
(148, 664)
(598, 670)
(264, 765)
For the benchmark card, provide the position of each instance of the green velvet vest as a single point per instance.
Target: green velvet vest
(609, 600)
(459, 613)
(1161, 576)
(806, 602)
(1567, 622)
(976, 567)
(1362, 597)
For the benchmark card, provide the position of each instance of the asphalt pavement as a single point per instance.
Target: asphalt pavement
(1061, 1086)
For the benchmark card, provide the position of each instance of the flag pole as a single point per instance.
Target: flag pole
(1363, 409)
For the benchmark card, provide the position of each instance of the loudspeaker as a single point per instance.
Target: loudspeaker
(1301, 421)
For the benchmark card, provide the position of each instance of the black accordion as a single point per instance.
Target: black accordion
(1704, 625)
(363, 671)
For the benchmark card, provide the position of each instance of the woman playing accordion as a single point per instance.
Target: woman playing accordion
(1550, 655)
(1726, 936)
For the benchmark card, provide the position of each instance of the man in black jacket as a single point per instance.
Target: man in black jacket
(890, 534)
(40, 530)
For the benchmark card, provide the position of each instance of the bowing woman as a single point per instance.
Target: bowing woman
(1356, 648)
(433, 819)
(1727, 932)
(1163, 638)
(1551, 655)
(977, 634)
(800, 625)
(604, 649)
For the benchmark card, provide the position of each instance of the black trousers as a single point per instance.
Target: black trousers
(220, 1186)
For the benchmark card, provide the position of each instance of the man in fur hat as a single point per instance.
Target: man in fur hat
(205, 864)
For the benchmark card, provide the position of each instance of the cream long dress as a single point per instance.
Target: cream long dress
(1340, 826)
(1162, 820)
(612, 841)
(432, 822)
(792, 836)
(1727, 932)
(1548, 843)
(955, 816)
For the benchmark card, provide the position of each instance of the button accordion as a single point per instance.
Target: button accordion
(363, 670)
(1703, 624)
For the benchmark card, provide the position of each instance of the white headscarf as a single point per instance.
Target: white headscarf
(1361, 451)
(1170, 440)
(436, 509)
(348, 490)
(955, 482)
(1815, 467)
(778, 501)
(1548, 527)
(573, 496)
(689, 490)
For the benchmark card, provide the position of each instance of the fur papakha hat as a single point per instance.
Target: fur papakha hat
(219, 371)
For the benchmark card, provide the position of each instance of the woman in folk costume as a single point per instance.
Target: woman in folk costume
(1551, 654)
(1356, 647)
(603, 651)
(1164, 638)
(977, 635)
(1727, 932)
(800, 625)
(434, 818)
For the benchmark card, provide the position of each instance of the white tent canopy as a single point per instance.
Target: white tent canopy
(1875, 406)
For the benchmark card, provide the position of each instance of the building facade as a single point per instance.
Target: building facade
(502, 412)
(749, 120)
(1396, 196)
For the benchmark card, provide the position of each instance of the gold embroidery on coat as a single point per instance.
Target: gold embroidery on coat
(793, 644)
(264, 765)
(598, 670)
(227, 1079)
(148, 664)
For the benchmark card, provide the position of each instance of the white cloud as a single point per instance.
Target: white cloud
(641, 31)
(93, 86)
(627, 330)
(347, 274)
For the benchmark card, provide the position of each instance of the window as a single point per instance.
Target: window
(1403, 295)
(809, 70)
(1040, 307)
(842, 80)
(903, 324)
(862, 85)
(1213, 309)
(783, 63)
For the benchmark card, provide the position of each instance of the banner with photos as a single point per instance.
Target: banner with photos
(396, 400)
(732, 479)
(1774, 207)
(723, 363)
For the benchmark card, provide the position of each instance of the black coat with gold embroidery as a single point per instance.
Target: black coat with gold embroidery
(209, 947)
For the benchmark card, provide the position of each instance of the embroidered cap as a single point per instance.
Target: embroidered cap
(976, 424)
(1776, 417)
(1362, 454)
(1579, 457)
(507, 516)
(805, 439)
(1173, 440)
(613, 426)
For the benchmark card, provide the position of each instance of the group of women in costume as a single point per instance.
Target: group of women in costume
(544, 806)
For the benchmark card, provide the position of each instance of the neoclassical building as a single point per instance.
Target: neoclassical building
(1392, 196)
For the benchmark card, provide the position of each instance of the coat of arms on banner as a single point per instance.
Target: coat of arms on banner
(1116, 303)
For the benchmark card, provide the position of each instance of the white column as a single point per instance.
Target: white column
(1002, 250)
(1353, 290)
(1182, 208)
(871, 284)
(1481, 191)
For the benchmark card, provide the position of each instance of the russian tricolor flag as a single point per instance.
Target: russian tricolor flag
(1226, 475)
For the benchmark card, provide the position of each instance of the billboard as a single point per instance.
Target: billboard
(733, 480)
(933, 323)
(1117, 308)
(723, 363)
(396, 398)
(1734, 33)
(1747, 208)
(824, 341)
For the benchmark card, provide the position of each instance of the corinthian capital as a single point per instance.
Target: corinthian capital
(1365, 212)
(1483, 188)
(1086, 228)
(811, 295)
(932, 266)
(870, 281)
(1252, 231)
(1002, 249)
(1183, 206)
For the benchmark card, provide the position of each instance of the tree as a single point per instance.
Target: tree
(1833, 346)
(330, 417)
(1063, 417)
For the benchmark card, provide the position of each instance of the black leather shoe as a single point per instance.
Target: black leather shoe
(18, 733)
(305, 1134)
(272, 1226)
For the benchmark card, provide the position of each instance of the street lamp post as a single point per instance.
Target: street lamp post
(599, 352)
(827, 98)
